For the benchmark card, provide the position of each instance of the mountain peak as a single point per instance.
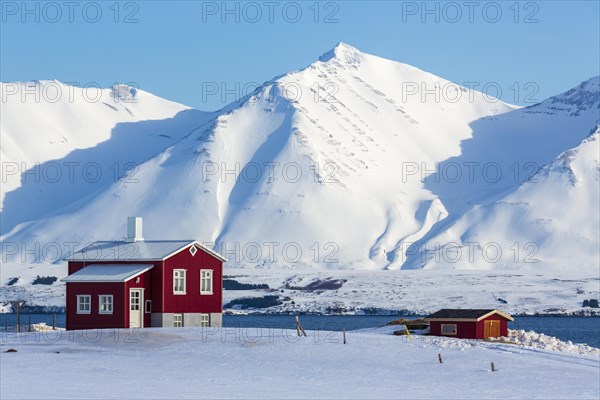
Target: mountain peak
(582, 98)
(342, 52)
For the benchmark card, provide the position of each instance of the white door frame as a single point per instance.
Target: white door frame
(140, 322)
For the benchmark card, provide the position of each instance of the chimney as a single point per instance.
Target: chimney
(134, 230)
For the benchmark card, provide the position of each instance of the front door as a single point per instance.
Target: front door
(135, 308)
(491, 329)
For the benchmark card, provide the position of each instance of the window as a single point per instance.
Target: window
(84, 304)
(193, 250)
(134, 300)
(178, 320)
(148, 308)
(206, 285)
(105, 304)
(179, 281)
(448, 329)
(204, 320)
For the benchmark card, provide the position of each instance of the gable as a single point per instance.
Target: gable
(199, 247)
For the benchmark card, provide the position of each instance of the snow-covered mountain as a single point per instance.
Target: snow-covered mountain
(353, 162)
(551, 219)
(61, 143)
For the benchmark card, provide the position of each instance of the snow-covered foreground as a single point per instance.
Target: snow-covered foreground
(249, 363)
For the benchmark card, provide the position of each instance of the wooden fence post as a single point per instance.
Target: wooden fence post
(493, 367)
(344, 334)
(29, 323)
(54, 321)
(299, 327)
(18, 318)
(440, 358)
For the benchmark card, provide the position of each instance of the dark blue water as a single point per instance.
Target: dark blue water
(309, 322)
(576, 329)
(10, 320)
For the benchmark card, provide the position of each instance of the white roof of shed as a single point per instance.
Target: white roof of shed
(108, 273)
(146, 250)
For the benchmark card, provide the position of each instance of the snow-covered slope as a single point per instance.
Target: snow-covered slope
(60, 143)
(335, 166)
(550, 219)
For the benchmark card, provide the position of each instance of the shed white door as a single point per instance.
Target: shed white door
(135, 308)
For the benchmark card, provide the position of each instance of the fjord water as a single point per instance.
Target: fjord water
(576, 329)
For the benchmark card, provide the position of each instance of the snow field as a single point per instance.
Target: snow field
(251, 363)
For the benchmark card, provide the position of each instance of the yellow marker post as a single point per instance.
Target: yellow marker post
(407, 332)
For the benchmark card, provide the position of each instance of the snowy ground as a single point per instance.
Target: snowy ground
(418, 292)
(247, 363)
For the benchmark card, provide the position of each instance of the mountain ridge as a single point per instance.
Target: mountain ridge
(348, 112)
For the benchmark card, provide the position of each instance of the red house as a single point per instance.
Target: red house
(469, 324)
(143, 283)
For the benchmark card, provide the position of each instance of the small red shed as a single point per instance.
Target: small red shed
(469, 324)
(144, 283)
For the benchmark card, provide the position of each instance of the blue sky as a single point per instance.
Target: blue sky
(178, 49)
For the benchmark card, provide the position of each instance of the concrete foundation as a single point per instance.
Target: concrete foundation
(189, 319)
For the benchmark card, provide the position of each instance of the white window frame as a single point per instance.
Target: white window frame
(148, 307)
(205, 320)
(206, 274)
(138, 302)
(183, 272)
(178, 320)
(449, 334)
(111, 303)
(80, 297)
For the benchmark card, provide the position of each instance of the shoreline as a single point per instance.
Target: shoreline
(43, 310)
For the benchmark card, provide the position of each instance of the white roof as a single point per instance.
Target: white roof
(108, 273)
(146, 250)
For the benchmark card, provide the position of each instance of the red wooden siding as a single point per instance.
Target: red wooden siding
(158, 287)
(468, 329)
(503, 325)
(94, 319)
(145, 283)
(120, 291)
(192, 301)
